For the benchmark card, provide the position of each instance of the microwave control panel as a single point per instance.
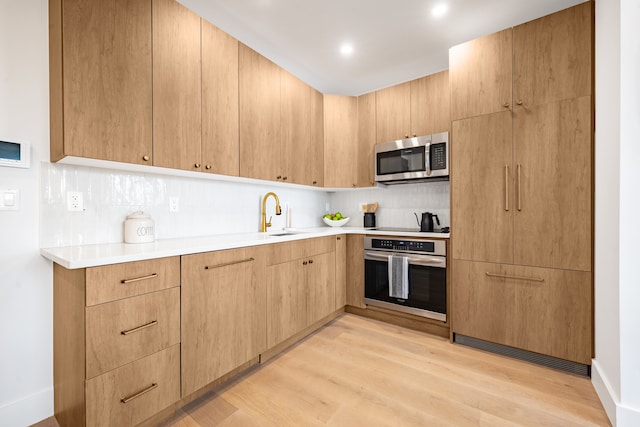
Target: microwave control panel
(438, 153)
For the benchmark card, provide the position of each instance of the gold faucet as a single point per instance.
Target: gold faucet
(263, 219)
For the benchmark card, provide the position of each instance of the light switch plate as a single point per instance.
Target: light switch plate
(9, 200)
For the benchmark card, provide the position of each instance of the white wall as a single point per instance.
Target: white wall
(616, 372)
(26, 306)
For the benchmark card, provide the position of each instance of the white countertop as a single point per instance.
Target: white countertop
(114, 253)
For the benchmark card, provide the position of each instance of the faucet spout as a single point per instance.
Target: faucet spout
(263, 216)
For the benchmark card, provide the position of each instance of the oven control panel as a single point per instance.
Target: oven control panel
(433, 247)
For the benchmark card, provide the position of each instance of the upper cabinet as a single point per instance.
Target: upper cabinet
(545, 60)
(365, 176)
(176, 86)
(415, 108)
(100, 80)
(220, 128)
(340, 137)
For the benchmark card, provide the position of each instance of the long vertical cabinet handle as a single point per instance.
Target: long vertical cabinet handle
(506, 188)
(519, 187)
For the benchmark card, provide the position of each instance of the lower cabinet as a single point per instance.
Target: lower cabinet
(223, 314)
(542, 310)
(341, 271)
(300, 291)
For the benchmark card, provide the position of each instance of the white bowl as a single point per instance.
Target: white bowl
(335, 223)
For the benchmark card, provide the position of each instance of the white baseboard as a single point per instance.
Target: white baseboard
(29, 410)
(619, 415)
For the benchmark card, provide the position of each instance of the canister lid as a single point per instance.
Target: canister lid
(138, 215)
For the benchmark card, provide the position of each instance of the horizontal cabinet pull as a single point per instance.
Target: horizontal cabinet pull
(139, 328)
(137, 279)
(226, 264)
(138, 394)
(504, 276)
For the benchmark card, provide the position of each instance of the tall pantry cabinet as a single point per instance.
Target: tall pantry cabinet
(521, 185)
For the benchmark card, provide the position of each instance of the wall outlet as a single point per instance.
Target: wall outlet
(174, 204)
(74, 201)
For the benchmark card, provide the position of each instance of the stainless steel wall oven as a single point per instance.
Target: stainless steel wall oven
(407, 275)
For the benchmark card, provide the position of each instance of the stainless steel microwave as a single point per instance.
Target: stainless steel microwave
(413, 159)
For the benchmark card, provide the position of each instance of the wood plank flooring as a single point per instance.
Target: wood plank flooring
(361, 372)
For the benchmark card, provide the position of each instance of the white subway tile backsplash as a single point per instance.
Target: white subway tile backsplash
(207, 207)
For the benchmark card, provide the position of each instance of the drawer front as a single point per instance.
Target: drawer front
(129, 395)
(122, 331)
(297, 249)
(543, 310)
(117, 281)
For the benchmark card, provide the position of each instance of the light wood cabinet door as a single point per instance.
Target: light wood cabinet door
(542, 310)
(286, 301)
(430, 104)
(177, 120)
(340, 140)
(341, 271)
(553, 206)
(320, 278)
(223, 314)
(259, 88)
(315, 150)
(220, 114)
(482, 193)
(147, 386)
(101, 86)
(553, 57)
(366, 140)
(295, 129)
(122, 331)
(480, 75)
(355, 270)
(393, 116)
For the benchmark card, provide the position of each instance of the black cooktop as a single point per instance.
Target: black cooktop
(402, 229)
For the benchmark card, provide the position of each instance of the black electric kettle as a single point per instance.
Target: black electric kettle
(427, 221)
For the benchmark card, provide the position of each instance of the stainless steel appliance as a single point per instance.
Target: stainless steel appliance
(413, 159)
(424, 280)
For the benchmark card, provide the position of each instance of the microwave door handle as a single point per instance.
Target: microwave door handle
(427, 158)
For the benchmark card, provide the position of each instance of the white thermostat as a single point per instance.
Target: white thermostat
(16, 154)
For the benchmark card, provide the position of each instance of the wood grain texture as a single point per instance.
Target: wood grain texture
(554, 148)
(340, 140)
(430, 104)
(106, 80)
(320, 278)
(104, 283)
(482, 229)
(286, 301)
(315, 149)
(417, 323)
(177, 90)
(341, 271)
(220, 99)
(68, 345)
(223, 314)
(355, 270)
(259, 87)
(365, 176)
(553, 57)
(480, 75)
(56, 99)
(107, 348)
(298, 249)
(552, 317)
(393, 112)
(104, 393)
(295, 131)
(357, 371)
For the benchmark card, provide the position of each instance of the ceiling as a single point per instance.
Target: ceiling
(393, 41)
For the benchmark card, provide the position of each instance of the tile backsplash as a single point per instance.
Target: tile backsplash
(207, 207)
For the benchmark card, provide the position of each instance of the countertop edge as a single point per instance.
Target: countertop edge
(74, 257)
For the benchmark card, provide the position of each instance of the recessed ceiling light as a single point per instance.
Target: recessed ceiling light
(346, 49)
(439, 10)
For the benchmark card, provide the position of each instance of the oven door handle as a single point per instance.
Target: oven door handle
(423, 260)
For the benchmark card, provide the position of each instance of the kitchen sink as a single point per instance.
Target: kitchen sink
(286, 233)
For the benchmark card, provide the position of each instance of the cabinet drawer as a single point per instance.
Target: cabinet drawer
(543, 310)
(128, 395)
(289, 251)
(116, 281)
(122, 331)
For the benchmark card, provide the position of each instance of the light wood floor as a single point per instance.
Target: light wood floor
(360, 372)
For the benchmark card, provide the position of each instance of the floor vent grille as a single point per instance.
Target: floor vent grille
(540, 359)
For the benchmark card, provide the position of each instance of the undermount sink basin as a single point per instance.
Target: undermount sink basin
(286, 233)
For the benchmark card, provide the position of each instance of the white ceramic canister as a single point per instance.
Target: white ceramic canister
(139, 228)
